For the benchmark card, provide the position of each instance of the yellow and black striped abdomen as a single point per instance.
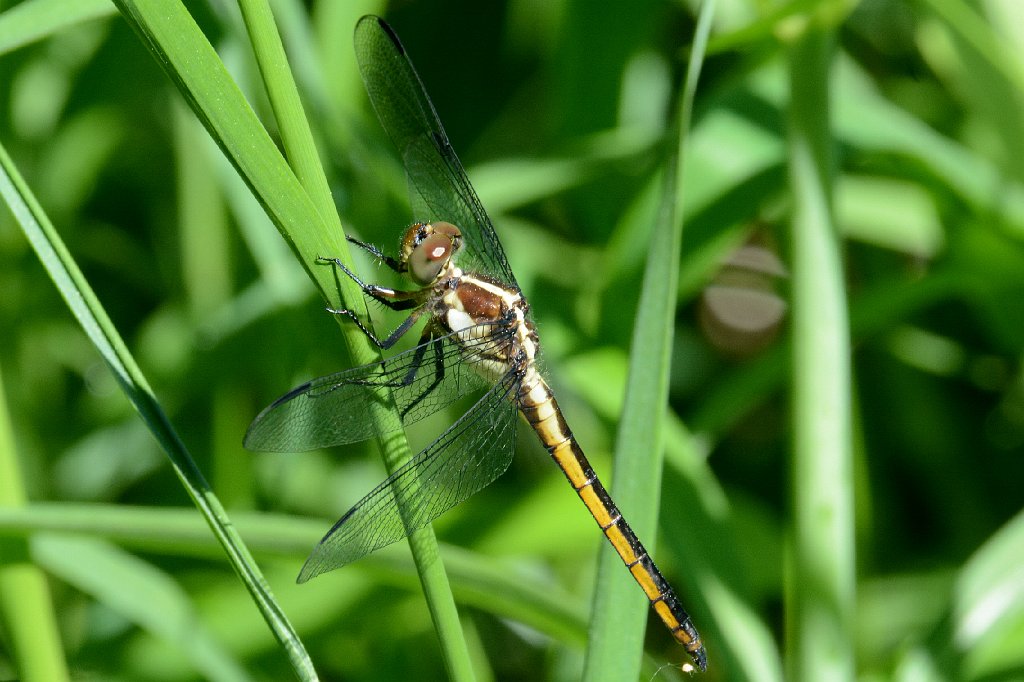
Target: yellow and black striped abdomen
(540, 409)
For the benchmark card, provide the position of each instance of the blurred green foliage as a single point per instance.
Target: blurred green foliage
(558, 111)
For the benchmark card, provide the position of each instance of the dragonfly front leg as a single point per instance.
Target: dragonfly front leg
(392, 263)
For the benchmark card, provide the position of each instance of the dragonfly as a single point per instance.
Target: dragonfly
(478, 338)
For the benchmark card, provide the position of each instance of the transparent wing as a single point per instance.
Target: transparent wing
(439, 187)
(338, 408)
(467, 457)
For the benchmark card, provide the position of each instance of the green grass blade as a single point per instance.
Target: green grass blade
(617, 629)
(101, 332)
(26, 606)
(202, 218)
(820, 594)
(300, 149)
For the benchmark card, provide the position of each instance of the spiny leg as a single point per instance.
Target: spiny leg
(392, 298)
(392, 338)
(374, 251)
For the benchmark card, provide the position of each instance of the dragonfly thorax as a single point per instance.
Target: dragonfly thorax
(479, 309)
(427, 248)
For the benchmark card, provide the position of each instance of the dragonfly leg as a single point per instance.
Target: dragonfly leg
(392, 298)
(392, 338)
(414, 368)
(427, 342)
(392, 263)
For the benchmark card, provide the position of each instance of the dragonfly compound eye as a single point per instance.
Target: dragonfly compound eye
(429, 257)
(452, 232)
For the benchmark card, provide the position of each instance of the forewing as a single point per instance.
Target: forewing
(339, 408)
(439, 187)
(471, 454)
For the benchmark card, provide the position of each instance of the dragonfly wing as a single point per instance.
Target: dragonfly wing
(340, 408)
(440, 188)
(471, 454)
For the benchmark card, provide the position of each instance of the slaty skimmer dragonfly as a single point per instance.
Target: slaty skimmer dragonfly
(478, 336)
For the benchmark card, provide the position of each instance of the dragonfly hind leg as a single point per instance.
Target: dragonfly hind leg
(421, 350)
(427, 342)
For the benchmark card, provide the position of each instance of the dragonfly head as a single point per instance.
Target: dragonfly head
(427, 248)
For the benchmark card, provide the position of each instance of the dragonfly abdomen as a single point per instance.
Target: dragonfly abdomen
(538, 405)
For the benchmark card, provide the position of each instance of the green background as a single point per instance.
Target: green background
(559, 112)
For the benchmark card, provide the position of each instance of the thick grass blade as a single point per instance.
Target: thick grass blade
(91, 316)
(617, 629)
(821, 589)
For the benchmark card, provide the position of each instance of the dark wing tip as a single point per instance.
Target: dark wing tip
(388, 31)
(391, 34)
(366, 18)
